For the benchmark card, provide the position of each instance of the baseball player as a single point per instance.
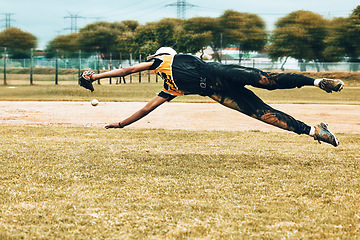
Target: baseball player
(186, 74)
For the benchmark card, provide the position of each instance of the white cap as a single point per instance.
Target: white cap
(163, 50)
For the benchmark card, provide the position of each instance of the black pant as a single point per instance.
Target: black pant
(227, 86)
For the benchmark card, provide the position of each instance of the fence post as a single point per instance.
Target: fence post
(31, 65)
(56, 67)
(79, 70)
(130, 65)
(98, 65)
(110, 66)
(120, 66)
(240, 54)
(118, 80)
(5, 66)
(140, 72)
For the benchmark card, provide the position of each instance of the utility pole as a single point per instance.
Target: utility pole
(7, 19)
(73, 22)
(5, 56)
(181, 6)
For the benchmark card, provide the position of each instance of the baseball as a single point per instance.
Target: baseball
(94, 102)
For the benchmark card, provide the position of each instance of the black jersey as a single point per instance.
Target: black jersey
(181, 73)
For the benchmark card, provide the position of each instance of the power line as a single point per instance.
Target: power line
(181, 6)
(334, 12)
(150, 11)
(125, 9)
(7, 19)
(73, 22)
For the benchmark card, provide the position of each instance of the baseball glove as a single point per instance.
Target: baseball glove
(86, 80)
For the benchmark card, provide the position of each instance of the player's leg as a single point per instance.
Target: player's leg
(273, 80)
(245, 101)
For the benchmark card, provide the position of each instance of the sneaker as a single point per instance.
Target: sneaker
(323, 134)
(330, 85)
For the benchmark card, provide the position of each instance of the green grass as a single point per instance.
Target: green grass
(81, 183)
(146, 91)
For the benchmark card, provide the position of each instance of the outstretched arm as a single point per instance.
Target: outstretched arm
(123, 71)
(149, 107)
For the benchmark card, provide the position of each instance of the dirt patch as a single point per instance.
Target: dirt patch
(187, 116)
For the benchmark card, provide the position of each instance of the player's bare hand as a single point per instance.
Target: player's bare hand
(112, 125)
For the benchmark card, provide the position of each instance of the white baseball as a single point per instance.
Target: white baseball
(94, 102)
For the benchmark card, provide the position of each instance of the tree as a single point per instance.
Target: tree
(145, 39)
(166, 31)
(101, 37)
(197, 34)
(188, 42)
(245, 30)
(18, 42)
(67, 44)
(126, 44)
(300, 35)
(353, 34)
(335, 40)
(348, 35)
(131, 24)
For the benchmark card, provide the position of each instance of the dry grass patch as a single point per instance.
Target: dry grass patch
(139, 92)
(77, 183)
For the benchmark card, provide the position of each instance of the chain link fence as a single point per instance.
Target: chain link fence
(105, 64)
(67, 63)
(56, 66)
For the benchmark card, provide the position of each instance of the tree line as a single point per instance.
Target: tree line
(303, 35)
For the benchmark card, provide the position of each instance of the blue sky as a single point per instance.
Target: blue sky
(47, 19)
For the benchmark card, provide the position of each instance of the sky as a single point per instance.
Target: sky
(46, 19)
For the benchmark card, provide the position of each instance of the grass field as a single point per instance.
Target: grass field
(145, 91)
(91, 183)
(81, 183)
